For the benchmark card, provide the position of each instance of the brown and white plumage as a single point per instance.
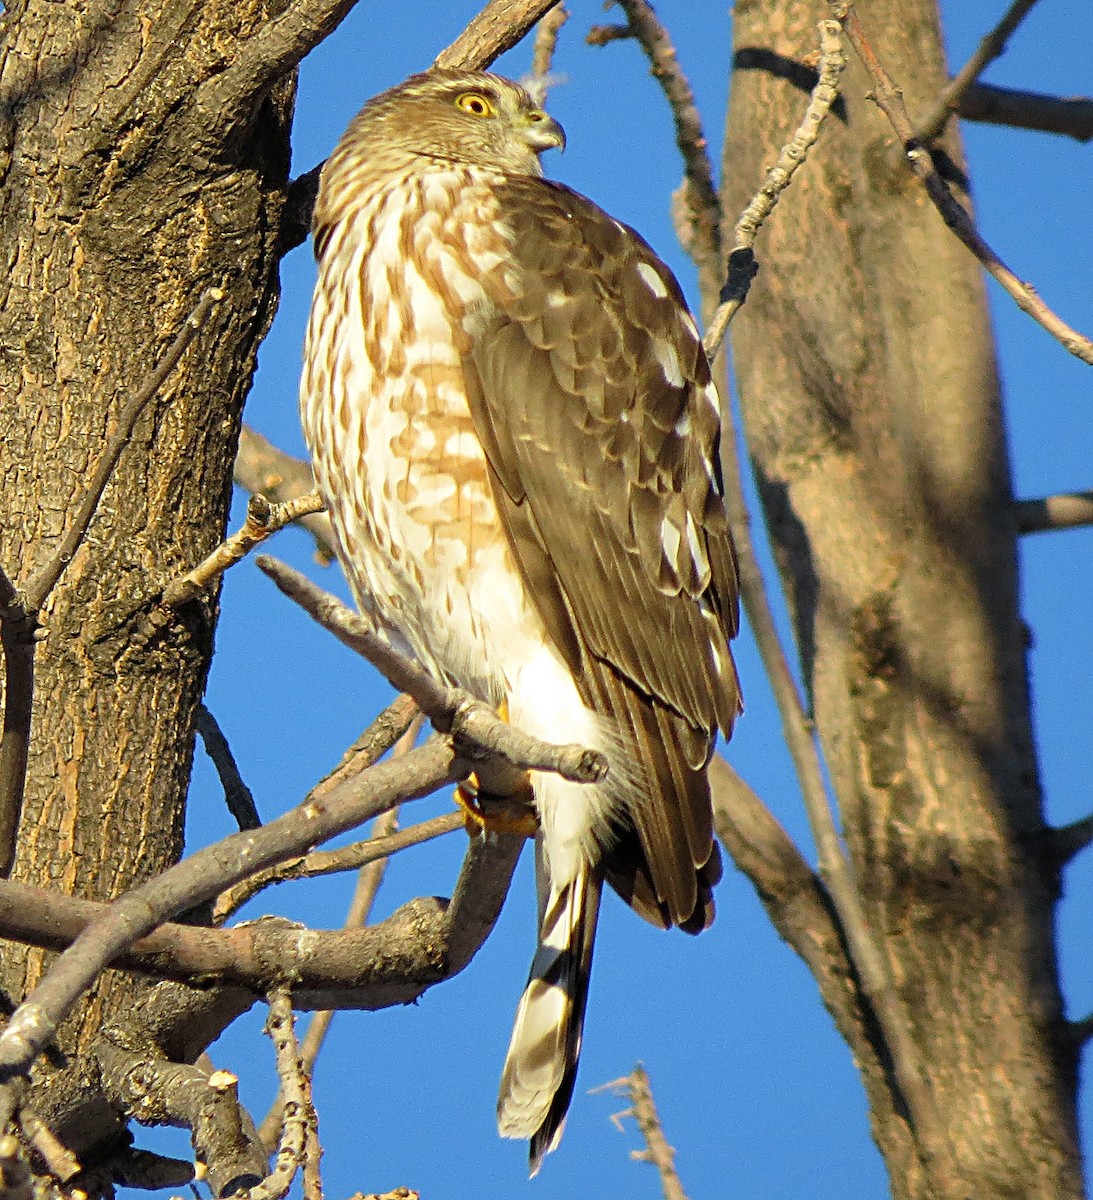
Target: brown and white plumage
(512, 421)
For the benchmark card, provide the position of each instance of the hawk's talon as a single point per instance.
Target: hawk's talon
(476, 820)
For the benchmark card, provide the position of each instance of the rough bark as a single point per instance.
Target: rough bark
(871, 403)
(117, 209)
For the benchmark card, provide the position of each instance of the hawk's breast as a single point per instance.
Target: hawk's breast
(385, 412)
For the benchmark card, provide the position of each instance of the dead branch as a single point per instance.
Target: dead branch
(742, 267)
(449, 709)
(298, 1112)
(61, 1163)
(262, 521)
(546, 42)
(331, 862)
(1067, 511)
(1071, 116)
(423, 943)
(260, 467)
(497, 28)
(991, 47)
(889, 100)
(644, 1111)
(140, 1082)
(237, 796)
(699, 193)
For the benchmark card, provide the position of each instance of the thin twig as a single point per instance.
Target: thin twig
(991, 47)
(644, 1111)
(237, 796)
(1067, 511)
(262, 521)
(333, 862)
(889, 100)
(1066, 842)
(699, 199)
(447, 708)
(298, 1110)
(261, 467)
(62, 1163)
(43, 581)
(369, 880)
(742, 268)
(546, 43)
(1071, 116)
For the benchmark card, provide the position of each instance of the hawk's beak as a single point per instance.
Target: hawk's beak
(543, 132)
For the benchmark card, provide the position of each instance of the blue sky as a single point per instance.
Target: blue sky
(757, 1091)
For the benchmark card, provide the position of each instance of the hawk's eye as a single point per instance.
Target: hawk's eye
(476, 104)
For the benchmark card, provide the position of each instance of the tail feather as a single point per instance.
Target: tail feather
(541, 1067)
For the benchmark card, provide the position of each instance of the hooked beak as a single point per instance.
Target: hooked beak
(543, 132)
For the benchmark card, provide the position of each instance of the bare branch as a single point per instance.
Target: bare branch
(43, 581)
(296, 214)
(201, 877)
(1067, 511)
(1071, 116)
(384, 732)
(497, 28)
(423, 943)
(237, 795)
(141, 1082)
(603, 35)
(295, 1088)
(16, 1182)
(657, 1151)
(62, 1164)
(1081, 1032)
(261, 467)
(262, 521)
(699, 191)
(742, 267)
(448, 708)
(332, 862)
(889, 99)
(991, 47)
(546, 42)
(226, 99)
(1066, 842)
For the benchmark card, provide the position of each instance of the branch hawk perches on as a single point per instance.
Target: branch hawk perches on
(513, 426)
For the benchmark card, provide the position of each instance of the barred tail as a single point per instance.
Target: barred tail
(541, 1067)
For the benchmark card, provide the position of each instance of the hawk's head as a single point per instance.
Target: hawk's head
(461, 116)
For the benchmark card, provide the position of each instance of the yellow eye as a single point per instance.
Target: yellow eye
(476, 104)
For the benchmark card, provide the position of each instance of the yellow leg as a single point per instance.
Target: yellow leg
(476, 821)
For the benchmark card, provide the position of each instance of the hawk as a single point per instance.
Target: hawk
(513, 425)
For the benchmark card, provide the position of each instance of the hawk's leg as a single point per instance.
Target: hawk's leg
(477, 820)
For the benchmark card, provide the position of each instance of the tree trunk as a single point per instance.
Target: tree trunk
(870, 398)
(122, 200)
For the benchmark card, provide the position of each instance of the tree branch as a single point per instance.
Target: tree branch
(262, 521)
(448, 708)
(1071, 116)
(546, 42)
(644, 1111)
(298, 1111)
(497, 28)
(742, 266)
(1066, 511)
(890, 101)
(423, 943)
(142, 1083)
(260, 467)
(18, 632)
(237, 795)
(698, 197)
(991, 47)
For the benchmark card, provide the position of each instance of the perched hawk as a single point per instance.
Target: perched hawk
(514, 429)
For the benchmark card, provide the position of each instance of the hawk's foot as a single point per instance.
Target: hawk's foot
(476, 820)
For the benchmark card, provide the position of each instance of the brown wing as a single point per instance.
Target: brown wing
(590, 392)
